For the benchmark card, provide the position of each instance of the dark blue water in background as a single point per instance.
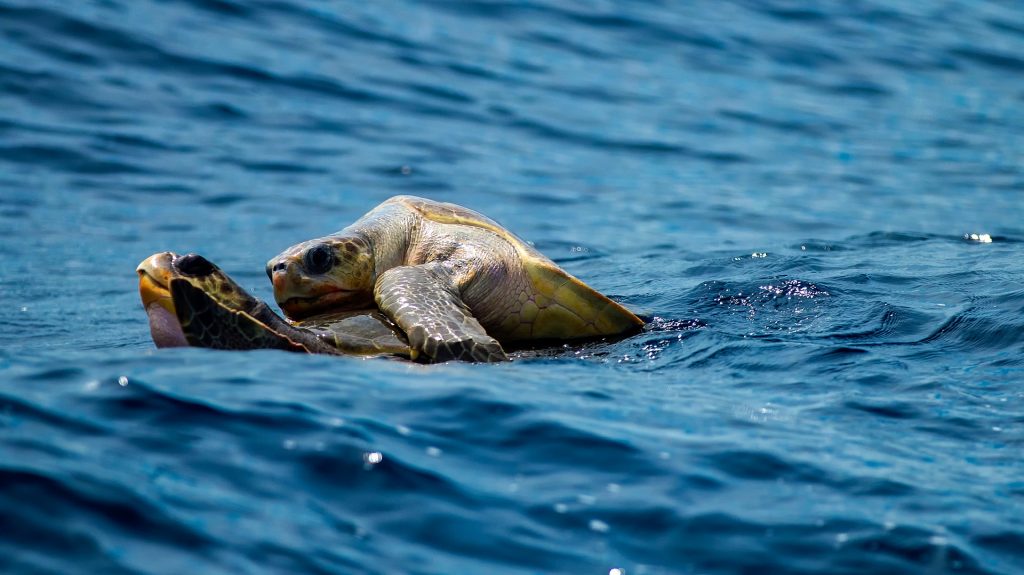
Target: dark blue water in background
(833, 381)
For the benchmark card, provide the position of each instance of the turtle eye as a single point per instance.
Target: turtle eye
(193, 265)
(319, 259)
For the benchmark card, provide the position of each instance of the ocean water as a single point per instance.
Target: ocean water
(817, 205)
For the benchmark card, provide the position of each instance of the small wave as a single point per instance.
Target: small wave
(988, 326)
(66, 159)
(45, 89)
(119, 507)
(991, 58)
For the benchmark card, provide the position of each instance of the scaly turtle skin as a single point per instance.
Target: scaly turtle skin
(190, 301)
(454, 280)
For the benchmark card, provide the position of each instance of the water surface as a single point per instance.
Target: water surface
(831, 381)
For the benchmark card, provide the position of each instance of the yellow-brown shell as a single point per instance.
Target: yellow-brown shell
(562, 306)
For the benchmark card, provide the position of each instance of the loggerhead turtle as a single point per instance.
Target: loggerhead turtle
(190, 301)
(457, 283)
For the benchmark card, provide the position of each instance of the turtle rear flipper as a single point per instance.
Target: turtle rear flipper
(207, 323)
(425, 304)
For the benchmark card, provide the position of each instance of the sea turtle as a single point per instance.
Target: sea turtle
(456, 282)
(190, 301)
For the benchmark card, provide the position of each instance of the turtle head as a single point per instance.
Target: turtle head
(158, 275)
(326, 274)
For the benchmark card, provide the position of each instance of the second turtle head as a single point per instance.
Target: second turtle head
(322, 275)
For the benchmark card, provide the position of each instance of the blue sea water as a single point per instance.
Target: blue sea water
(818, 206)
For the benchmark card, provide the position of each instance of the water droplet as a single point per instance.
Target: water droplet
(122, 381)
(599, 526)
(616, 571)
(373, 457)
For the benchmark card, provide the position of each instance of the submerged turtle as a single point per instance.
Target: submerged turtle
(190, 301)
(457, 283)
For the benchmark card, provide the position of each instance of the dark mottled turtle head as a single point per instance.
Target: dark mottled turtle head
(164, 280)
(326, 274)
(191, 302)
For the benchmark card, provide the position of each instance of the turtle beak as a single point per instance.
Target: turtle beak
(280, 281)
(277, 271)
(155, 279)
(286, 278)
(155, 276)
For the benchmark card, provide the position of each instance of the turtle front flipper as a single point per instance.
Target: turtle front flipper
(426, 305)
